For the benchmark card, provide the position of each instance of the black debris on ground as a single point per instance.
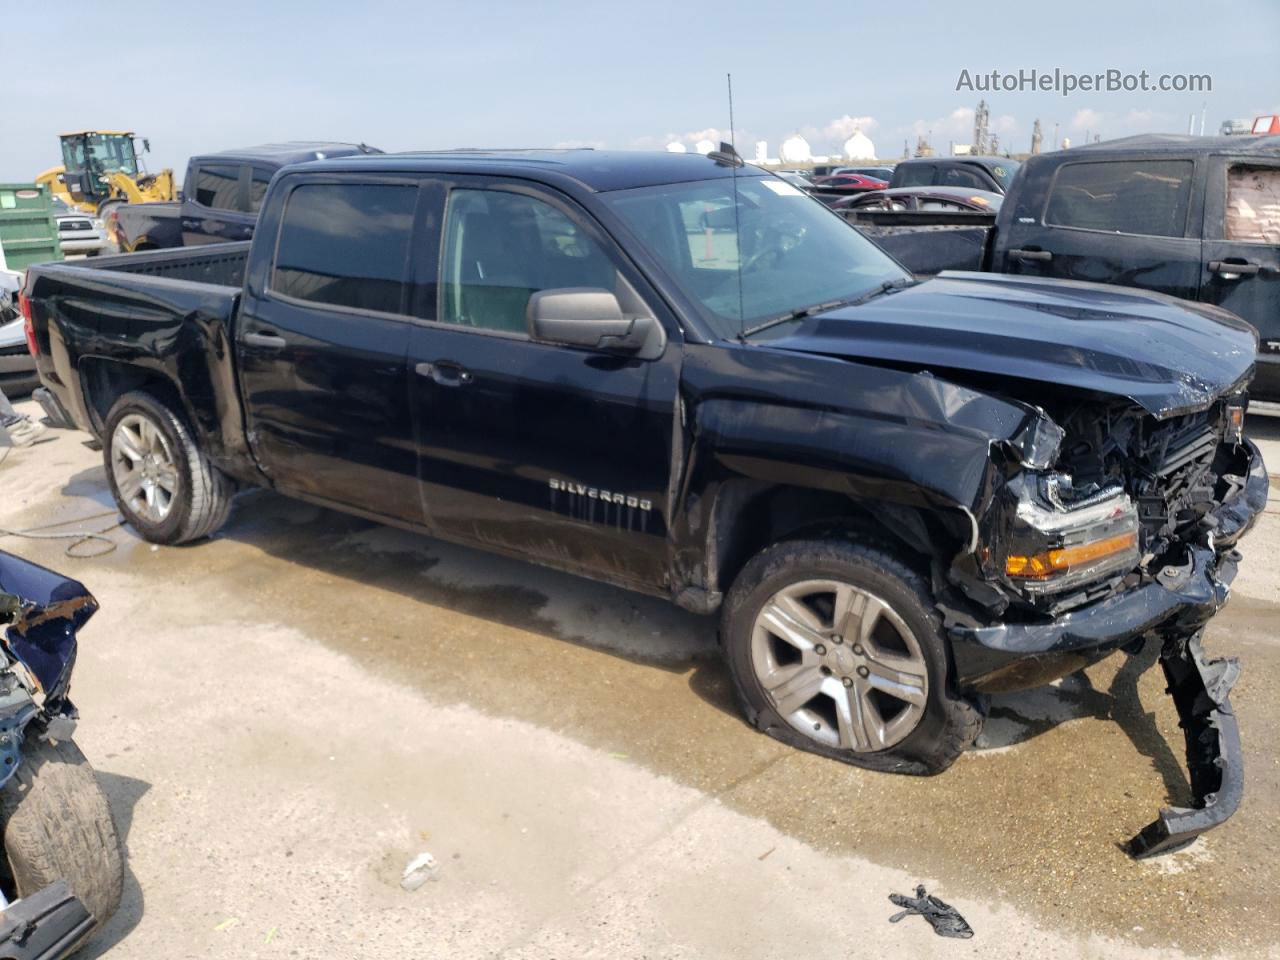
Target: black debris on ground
(944, 918)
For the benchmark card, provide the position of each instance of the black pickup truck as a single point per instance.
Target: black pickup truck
(899, 495)
(1194, 217)
(221, 196)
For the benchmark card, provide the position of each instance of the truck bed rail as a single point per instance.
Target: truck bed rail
(222, 263)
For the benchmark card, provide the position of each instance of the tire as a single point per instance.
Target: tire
(57, 826)
(920, 737)
(198, 494)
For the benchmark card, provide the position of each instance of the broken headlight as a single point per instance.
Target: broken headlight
(1054, 542)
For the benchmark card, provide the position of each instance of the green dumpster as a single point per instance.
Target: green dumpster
(28, 232)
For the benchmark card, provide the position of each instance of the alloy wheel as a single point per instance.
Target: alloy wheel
(839, 665)
(143, 467)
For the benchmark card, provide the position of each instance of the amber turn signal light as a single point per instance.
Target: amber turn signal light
(1051, 563)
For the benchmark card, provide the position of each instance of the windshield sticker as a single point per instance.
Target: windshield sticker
(782, 188)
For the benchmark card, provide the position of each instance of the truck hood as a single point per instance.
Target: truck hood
(1167, 355)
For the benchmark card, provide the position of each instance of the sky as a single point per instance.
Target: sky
(199, 77)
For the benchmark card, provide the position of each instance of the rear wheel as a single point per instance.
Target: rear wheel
(835, 647)
(57, 826)
(163, 483)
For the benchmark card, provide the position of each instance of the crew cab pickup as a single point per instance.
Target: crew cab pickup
(222, 194)
(1193, 217)
(680, 374)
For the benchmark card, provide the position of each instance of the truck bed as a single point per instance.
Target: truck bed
(221, 264)
(166, 314)
(928, 241)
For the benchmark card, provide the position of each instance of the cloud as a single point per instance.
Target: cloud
(842, 128)
(957, 124)
(1086, 119)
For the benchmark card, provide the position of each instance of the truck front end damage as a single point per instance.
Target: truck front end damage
(1126, 539)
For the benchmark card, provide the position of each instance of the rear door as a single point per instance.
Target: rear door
(1241, 268)
(1124, 221)
(544, 451)
(322, 348)
(217, 205)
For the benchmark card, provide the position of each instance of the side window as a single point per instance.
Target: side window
(960, 177)
(1150, 197)
(916, 175)
(346, 245)
(501, 248)
(1253, 205)
(218, 187)
(258, 180)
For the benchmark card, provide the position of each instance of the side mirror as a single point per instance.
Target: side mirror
(591, 317)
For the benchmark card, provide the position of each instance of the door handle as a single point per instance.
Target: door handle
(190, 224)
(268, 341)
(1043, 255)
(444, 372)
(1230, 270)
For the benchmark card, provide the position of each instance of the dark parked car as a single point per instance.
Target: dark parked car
(1191, 217)
(221, 196)
(897, 494)
(954, 199)
(976, 173)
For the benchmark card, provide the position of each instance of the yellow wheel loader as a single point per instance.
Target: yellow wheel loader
(100, 168)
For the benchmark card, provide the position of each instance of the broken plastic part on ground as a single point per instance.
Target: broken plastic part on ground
(1201, 691)
(944, 918)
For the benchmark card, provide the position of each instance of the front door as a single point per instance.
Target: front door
(322, 349)
(555, 453)
(1128, 222)
(1242, 255)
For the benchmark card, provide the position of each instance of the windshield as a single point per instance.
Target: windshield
(779, 251)
(108, 153)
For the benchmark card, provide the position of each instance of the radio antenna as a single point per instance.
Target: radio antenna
(737, 229)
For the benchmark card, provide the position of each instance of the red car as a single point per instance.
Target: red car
(850, 183)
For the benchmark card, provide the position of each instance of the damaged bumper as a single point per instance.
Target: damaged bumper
(48, 925)
(1200, 689)
(1181, 599)
(40, 612)
(1171, 608)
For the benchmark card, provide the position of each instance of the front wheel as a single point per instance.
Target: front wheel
(834, 647)
(163, 483)
(57, 826)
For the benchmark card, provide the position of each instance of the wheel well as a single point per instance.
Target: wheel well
(750, 519)
(105, 381)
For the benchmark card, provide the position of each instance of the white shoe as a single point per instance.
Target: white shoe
(25, 432)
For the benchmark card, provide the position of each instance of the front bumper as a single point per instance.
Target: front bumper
(1018, 656)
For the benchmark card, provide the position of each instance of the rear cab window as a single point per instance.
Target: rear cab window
(346, 245)
(1145, 197)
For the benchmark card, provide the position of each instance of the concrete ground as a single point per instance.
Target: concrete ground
(284, 716)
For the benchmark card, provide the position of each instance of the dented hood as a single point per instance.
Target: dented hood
(1169, 356)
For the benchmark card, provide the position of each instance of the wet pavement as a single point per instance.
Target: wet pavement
(312, 624)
